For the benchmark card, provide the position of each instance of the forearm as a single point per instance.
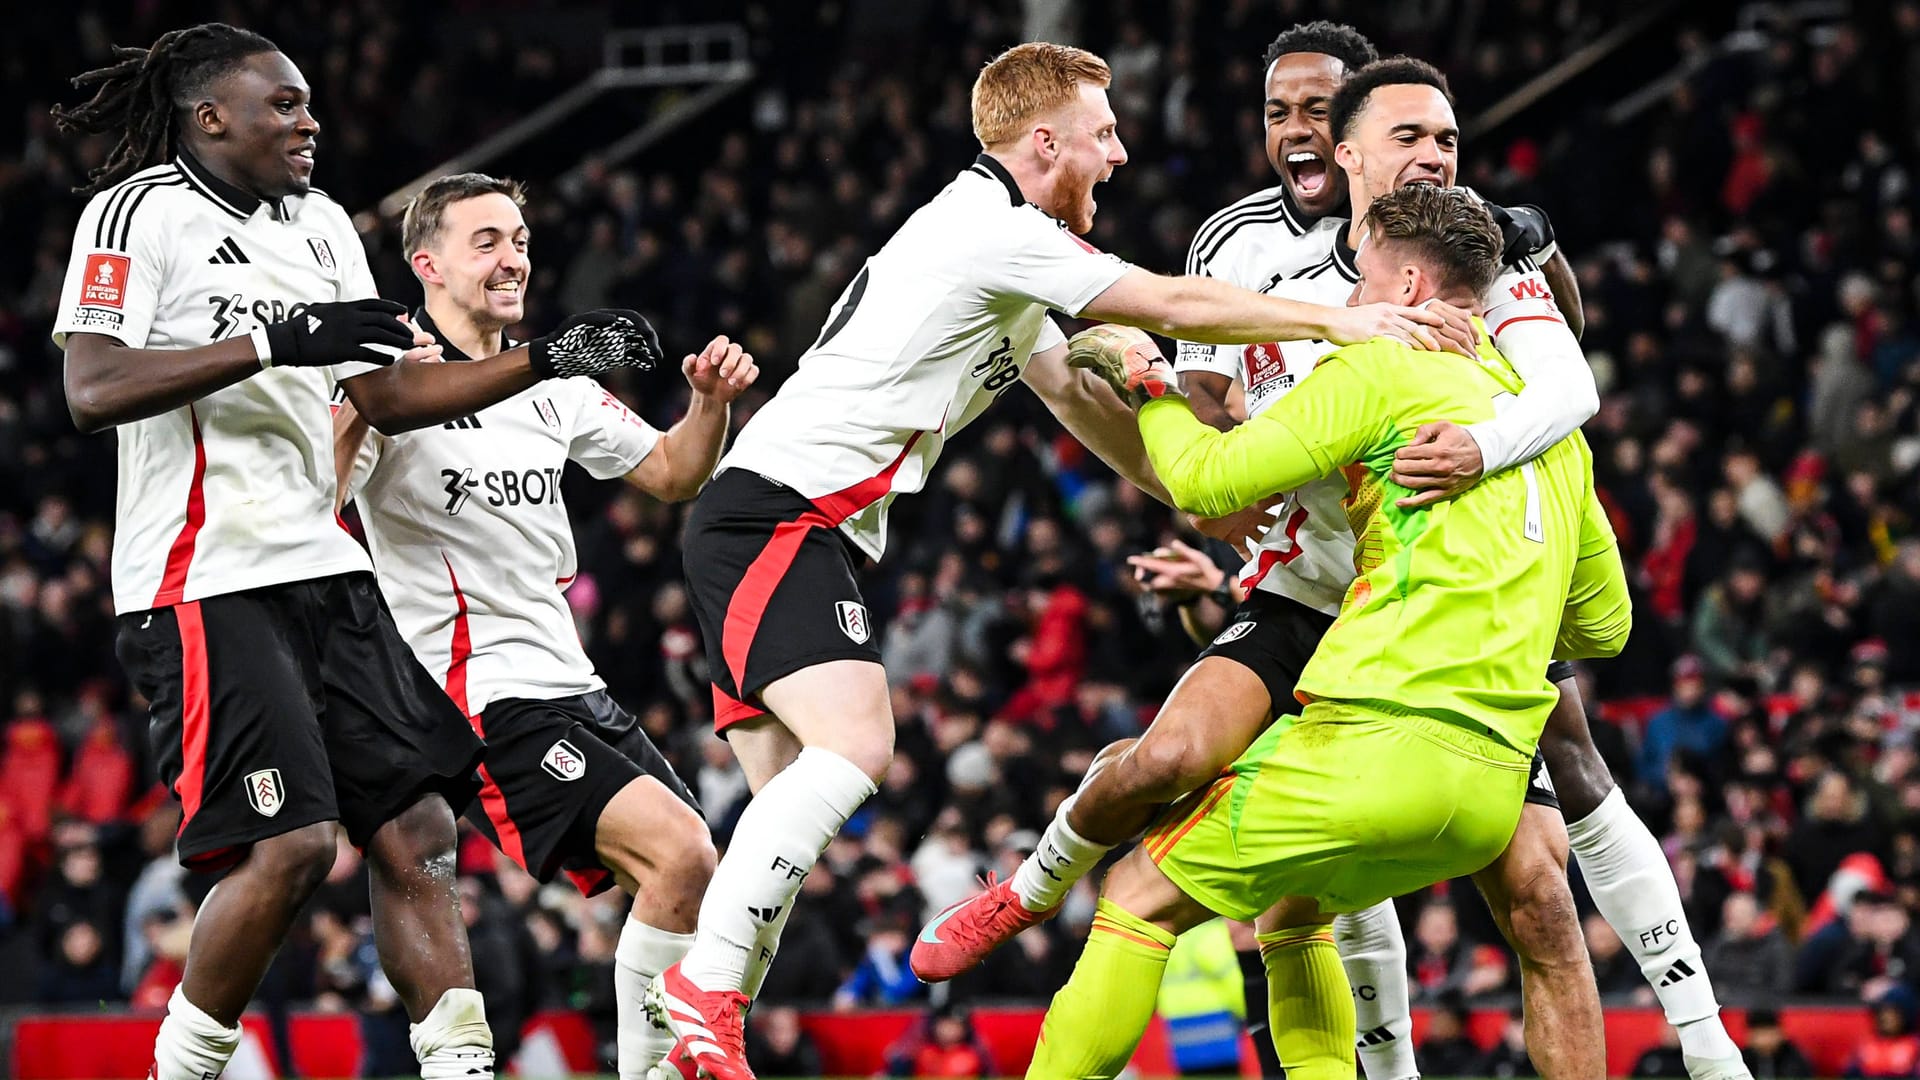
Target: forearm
(109, 384)
(1214, 473)
(349, 432)
(1207, 395)
(1204, 309)
(1104, 424)
(687, 452)
(1559, 395)
(405, 396)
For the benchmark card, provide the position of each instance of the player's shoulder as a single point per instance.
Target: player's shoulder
(1267, 214)
(139, 202)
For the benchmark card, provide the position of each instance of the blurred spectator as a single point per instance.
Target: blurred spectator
(1447, 1049)
(1875, 945)
(1893, 1050)
(81, 972)
(942, 1043)
(1688, 725)
(1769, 1054)
(1749, 958)
(882, 977)
(1438, 959)
(1835, 826)
(1508, 1057)
(1663, 1058)
(778, 1046)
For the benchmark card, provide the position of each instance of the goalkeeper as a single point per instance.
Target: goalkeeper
(1424, 701)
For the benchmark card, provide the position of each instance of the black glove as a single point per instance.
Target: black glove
(1524, 231)
(596, 341)
(326, 334)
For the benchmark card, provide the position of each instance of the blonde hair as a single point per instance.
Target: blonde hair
(1025, 81)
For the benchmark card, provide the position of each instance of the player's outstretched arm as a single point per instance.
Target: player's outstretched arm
(683, 459)
(408, 396)
(1599, 612)
(110, 383)
(1208, 310)
(1091, 413)
(1326, 422)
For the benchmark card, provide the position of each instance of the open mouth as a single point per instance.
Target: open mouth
(302, 155)
(510, 289)
(1308, 171)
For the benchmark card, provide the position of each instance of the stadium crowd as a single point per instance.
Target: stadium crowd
(1748, 261)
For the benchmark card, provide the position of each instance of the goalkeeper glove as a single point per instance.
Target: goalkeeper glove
(596, 341)
(1524, 231)
(321, 335)
(1126, 358)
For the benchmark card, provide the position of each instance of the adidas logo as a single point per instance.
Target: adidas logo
(1677, 973)
(313, 323)
(466, 422)
(228, 252)
(1379, 1036)
(766, 914)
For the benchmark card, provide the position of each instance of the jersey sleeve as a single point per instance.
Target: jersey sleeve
(118, 263)
(1050, 336)
(608, 439)
(1333, 418)
(1599, 612)
(1045, 263)
(365, 460)
(1559, 394)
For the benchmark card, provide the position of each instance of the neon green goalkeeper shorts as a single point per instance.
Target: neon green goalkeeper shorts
(1349, 805)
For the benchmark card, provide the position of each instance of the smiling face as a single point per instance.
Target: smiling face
(480, 258)
(1404, 134)
(1300, 87)
(257, 129)
(1084, 147)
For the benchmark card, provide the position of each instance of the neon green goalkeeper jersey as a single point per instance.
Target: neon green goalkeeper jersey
(1455, 608)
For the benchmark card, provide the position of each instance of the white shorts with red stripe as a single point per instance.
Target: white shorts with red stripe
(772, 583)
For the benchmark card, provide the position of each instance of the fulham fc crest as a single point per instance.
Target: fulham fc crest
(853, 621)
(264, 792)
(563, 762)
(322, 254)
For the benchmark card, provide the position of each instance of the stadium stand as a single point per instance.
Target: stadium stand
(1735, 186)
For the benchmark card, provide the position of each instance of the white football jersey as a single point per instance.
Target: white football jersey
(938, 323)
(471, 539)
(236, 490)
(1307, 554)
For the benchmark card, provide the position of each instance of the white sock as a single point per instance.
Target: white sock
(192, 1045)
(763, 953)
(643, 952)
(1062, 858)
(779, 837)
(1374, 952)
(1632, 885)
(454, 1041)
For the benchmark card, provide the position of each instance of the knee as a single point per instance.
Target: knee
(687, 845)
(422, 836)
(1546, 926)
(1163, 769)
(295, 863)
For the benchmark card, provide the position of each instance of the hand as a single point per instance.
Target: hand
(721, 370)
(1442, 461)
(1434, 326)
(1177, 570)
(1242, 529)
(322, 335)
(426, 349)
(1126, 358)
(596, 341)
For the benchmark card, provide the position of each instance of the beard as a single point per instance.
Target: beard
(1074, 203)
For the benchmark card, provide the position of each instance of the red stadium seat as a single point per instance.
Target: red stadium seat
(101, 781)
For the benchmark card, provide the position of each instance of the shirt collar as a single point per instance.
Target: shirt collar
(234, 200)
(1343, 254)
(989, 166)
(449, 351)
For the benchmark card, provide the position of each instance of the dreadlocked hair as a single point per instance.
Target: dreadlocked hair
(141, 93)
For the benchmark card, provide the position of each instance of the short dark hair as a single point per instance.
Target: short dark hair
(142, 93)
(1338, 40)
(1351, 99)
(1447, 228)
(420, 222)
